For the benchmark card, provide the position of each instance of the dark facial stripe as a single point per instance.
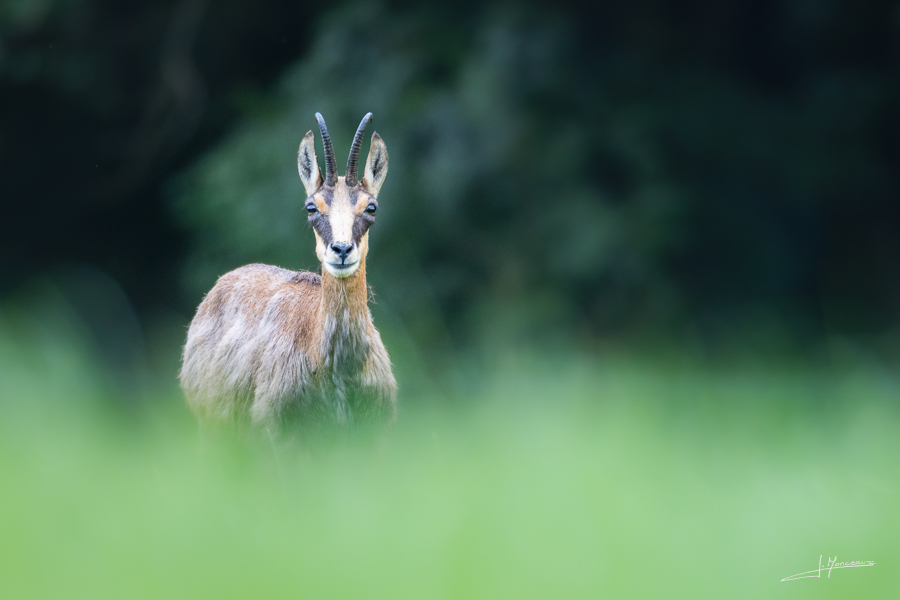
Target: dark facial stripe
(361, 225)
(358, 197)
(320, 223)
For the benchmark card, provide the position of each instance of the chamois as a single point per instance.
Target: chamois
(270, 347)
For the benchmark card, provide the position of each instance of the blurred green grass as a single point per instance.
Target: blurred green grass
(545, 476)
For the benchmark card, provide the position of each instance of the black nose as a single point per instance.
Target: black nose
(342, 250)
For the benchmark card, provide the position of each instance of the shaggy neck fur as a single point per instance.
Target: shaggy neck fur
(345, 321)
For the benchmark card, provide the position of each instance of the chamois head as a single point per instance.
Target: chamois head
(341, 209)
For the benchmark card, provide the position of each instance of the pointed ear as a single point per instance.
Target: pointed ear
(376, 165)
(307, 165)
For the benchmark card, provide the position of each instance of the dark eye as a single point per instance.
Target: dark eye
(371, 209)
(311, 209)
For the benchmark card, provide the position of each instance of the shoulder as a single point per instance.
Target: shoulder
(267, 275)
(306, 277)
(262, 290)
(257, 271)
(257, 282)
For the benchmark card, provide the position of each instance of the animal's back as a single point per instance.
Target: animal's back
(251, 346)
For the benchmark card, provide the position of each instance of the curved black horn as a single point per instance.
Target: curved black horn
(350, 177)
(330, 164)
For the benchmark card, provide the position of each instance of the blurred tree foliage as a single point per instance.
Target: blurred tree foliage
(100, 102)
(546, 178)
(593, 169)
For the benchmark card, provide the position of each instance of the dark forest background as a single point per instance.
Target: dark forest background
(697, 172)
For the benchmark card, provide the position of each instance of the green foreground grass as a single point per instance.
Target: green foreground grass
(580, 478)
